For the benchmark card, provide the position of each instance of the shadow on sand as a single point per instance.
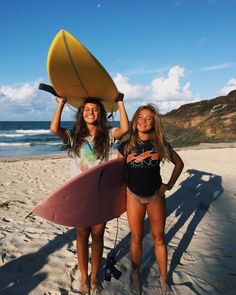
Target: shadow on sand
(21, 275)
(190, 204)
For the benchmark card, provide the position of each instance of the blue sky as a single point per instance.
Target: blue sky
(168, 52)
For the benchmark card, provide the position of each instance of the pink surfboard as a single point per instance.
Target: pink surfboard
(95, 196)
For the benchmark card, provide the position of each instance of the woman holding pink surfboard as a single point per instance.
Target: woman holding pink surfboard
(144, 151)
(90, 144)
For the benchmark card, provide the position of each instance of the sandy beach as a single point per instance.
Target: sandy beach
(38, 257)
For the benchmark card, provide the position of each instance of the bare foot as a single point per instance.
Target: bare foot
(135, 283)
(165, 288)
(96, 289)
(84, 289)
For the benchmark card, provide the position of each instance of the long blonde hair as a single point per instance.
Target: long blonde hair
(157, 137)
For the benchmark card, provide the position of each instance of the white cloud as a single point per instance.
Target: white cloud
(22, 94)
(131, 91)
(217, 67)
(170, 89)
(166, 92)
(26, 102)
(231, 85)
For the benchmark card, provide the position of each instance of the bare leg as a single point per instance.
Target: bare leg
(82, 254)
(136, 214)
(97, 232)
(157, 214)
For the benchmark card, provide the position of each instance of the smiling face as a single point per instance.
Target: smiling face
(145, 121)
(90, 113)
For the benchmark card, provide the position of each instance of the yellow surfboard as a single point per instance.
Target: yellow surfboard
(76, 74)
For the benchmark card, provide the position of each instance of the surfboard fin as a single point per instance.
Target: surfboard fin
(48, 88)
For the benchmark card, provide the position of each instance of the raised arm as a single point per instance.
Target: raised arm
(56, 120)
(124, 122)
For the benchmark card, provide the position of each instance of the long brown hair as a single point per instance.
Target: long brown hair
(101, 144)
(157, 137)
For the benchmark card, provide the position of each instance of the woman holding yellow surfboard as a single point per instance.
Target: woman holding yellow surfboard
(90, 144)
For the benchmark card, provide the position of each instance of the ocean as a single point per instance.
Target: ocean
(31, 138)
